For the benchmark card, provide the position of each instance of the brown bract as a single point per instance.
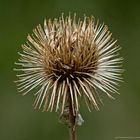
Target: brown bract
(69, 57)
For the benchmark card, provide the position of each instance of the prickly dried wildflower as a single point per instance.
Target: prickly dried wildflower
(66, 60)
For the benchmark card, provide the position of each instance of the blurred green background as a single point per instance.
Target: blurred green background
(18, 119)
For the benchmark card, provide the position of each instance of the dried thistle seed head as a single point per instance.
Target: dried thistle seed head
(66, 59)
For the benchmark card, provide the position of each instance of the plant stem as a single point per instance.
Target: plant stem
(72, 126)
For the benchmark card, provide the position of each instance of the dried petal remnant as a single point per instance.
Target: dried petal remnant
(69, 57)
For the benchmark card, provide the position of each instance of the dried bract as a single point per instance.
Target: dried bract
(69, 58)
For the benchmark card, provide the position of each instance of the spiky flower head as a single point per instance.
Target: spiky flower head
(69, 59)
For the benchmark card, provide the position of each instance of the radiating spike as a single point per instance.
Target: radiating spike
(64, 98)
(76, 99)
(58, 98)
(71, 95)
(45, 92)
(53, 94)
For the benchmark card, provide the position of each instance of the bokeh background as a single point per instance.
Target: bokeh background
(18, 119)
